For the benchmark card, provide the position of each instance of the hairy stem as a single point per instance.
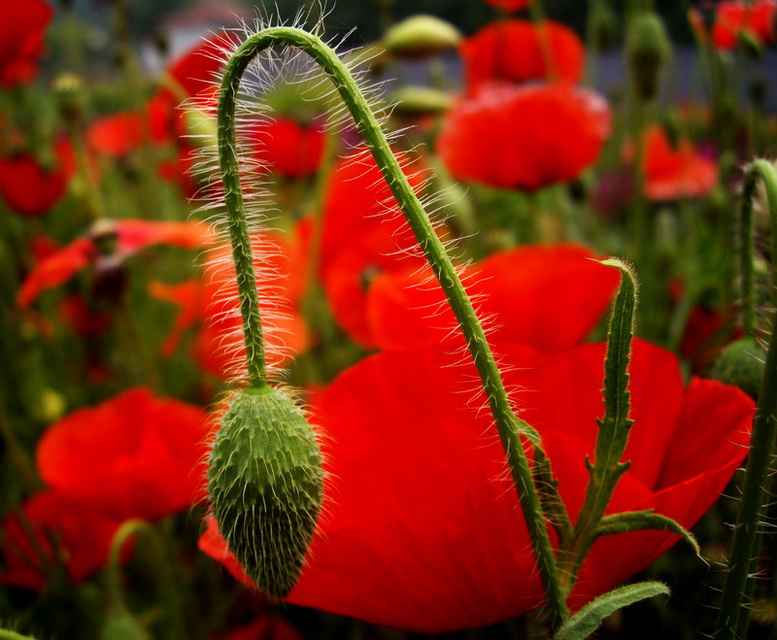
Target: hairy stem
(733, 616)
(509, 426)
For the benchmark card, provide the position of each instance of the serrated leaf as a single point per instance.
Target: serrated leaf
(590, 617)
(642, 520)
(614, 427)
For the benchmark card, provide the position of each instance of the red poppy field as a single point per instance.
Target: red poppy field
(297, 347)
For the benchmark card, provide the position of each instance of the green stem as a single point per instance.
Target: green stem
(509, 426)
(166, 585)
(733, 616)
(7, 634)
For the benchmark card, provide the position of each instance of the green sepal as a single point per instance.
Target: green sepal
(586, 621)
(644, 520)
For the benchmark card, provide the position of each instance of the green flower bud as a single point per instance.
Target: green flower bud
(421, 36)
(201, 127)
(265, 483)
(647, 50)
(122, 625)
(416, 101)
(742, 364)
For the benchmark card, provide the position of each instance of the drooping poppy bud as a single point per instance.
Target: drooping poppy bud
(265, 483)
(421, 36)
(647, 50)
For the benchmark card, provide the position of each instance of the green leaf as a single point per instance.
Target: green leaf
(614, 428)
(642, 520)
(590, 617)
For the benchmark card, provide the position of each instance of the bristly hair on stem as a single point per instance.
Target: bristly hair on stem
(512, 430)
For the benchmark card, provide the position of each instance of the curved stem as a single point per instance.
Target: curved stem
(733, 616)
(509, 426)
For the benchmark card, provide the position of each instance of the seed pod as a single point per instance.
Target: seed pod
(742, 364)
(647, 51)
(265, 483)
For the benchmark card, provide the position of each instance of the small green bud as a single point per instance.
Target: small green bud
(421, 36)
(122, 625)
(71, 96)
(201, 127)
(742, 364)
(416, 101)
(647, 50)
(265, 483)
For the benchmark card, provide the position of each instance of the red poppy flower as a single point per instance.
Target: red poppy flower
(514, 51)
(32, 189)
(133, 456)
(50, 532)
(22, 33)
(546, 296)
(212, 303)
(287, 147)
(131, 237)
(421, 527)
(674, 172)
(509, 5)
(524, 137)
(732, 18)
(116, 135)
(358, 200)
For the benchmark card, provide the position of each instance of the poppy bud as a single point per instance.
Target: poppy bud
(421, 36)
(69, 89)
(201, 128)
(742, 364)
(265, 483)
(604, 26)
(647, 49)
(123, 626)
(416, 101)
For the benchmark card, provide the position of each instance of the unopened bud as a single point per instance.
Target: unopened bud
(416, 101)
(69, 89)
(265, 483)
(742, 364)
(421, 36)
(647, 50)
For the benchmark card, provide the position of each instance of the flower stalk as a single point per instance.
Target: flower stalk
(510, 427)
(733, 616)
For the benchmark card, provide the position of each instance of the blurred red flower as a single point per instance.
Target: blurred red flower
(133, 456)
(734, 18)
(116, 135)
(547, 296)
(131, 236)
(266, 627)
(524, 137)
(514, 51)
(673, 172)
(212, 303)
(509, 5)
(22, 34)
(51, 532)
(286, 147)
(421, 527)
(30, 188)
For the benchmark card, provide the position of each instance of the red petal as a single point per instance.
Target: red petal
(134, 456)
